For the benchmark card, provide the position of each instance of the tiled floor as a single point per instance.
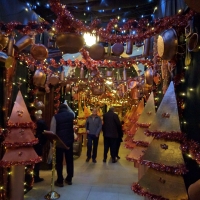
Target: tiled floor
(99, 181)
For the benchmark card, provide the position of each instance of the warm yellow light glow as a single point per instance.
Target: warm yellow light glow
(90, 39)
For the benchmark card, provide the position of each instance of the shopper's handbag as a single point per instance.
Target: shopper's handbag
(77, 148)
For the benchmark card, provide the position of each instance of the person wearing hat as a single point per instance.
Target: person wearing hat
(41, 126)
(62, 126)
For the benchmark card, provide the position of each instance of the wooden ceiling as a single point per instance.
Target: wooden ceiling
(88, 10)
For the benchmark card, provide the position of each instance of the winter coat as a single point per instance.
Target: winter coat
(94, 125)
(64, 126)
(111, 125)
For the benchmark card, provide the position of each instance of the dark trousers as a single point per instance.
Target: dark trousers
(110, 143)
(39, 150)
(92, 145)
(68, 153)
(118, 143)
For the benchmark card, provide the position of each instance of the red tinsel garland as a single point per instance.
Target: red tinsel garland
(172, 136)
(143, 125)
(140, 143)
(28, 162)
(128, 146)
(21, 125)
(131, 159)
(140, 191)
(66, 22)
(177, 170)
(20, 144)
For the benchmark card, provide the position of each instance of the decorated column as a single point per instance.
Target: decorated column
(18, 143)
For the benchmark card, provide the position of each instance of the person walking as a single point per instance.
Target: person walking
(62, 125)
(119, 140)
(111, 130)
(93, 128)
(41, 126)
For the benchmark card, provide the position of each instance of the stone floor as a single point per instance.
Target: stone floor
(99, 181)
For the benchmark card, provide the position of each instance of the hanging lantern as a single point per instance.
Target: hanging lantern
(10, 50)
(69, 42)
(39, 52)
(129, 47)
(149, 76)
(124, 74)
(135, 94)
(39, 78)
(24, 42)
(146, 47)
(82, 72)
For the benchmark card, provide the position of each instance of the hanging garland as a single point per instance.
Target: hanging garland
(27, 162)
(66, 22)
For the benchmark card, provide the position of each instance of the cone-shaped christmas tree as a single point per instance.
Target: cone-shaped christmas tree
(164, 178)
(140, 141)
(18, 142)
(131, 129)
(20, 137)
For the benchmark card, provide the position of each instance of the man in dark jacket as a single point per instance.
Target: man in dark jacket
(93, 128)
(62, 125)
(41, 126)
(111, 129)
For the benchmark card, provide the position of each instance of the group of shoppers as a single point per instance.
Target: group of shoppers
(112, 133)
(62, 126)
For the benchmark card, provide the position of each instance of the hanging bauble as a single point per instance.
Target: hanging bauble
(149, 76)
(117, 49)
(39, 78)
(39, 52)
(69, 42)
(96, 51)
